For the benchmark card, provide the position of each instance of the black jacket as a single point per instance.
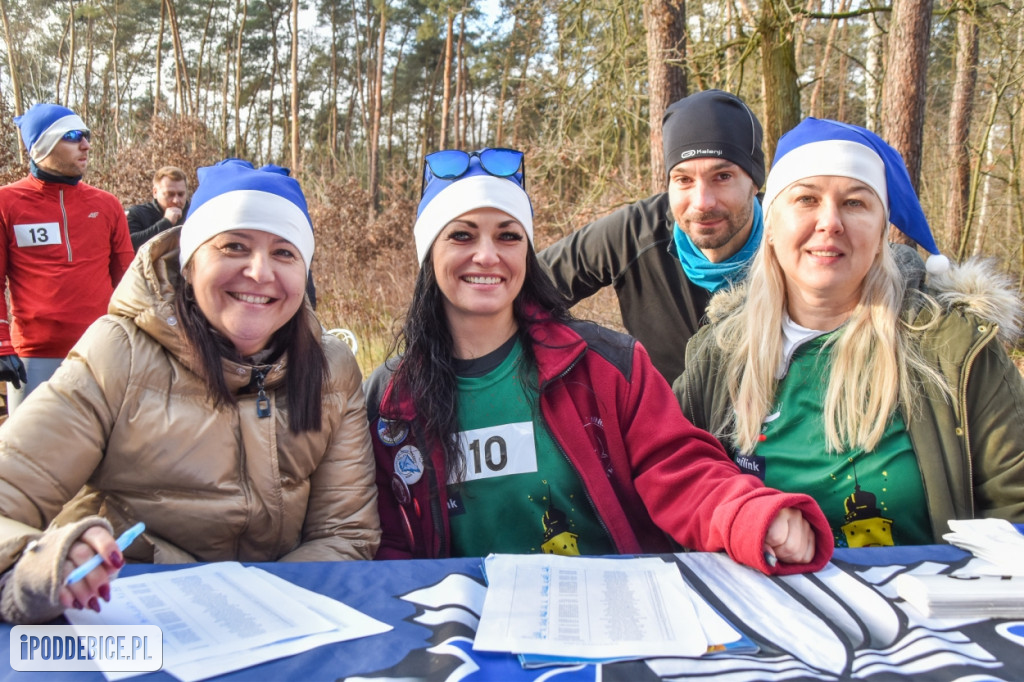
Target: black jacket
(632, 250)
(146, 221)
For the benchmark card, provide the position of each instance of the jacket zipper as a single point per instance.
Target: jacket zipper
(262, 401)
(64, 214)
(443, 550)
(583, 485)
(971, 357)
(262, 411)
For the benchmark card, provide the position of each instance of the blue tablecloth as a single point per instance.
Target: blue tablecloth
(873, 639)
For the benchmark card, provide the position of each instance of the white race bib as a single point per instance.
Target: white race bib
(37, 234)
(499, 451)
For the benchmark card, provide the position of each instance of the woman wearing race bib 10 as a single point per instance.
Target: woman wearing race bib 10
(506, 426)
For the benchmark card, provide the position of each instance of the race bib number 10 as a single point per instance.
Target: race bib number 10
(499, 451)
(37, 234)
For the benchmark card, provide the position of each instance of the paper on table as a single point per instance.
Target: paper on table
(723, 639)
(994, 540)
(348, 624)
(963, 596)
(220, 617)
(587, 607)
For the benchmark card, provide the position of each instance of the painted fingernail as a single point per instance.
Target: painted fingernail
(94, 604)
(116, 560)
(105, 592)
(77, 604)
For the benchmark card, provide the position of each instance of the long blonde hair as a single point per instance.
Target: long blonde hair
(873, 358)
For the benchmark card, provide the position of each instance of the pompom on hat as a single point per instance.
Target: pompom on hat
(825, 147)
(232, 195)
(43, 125)
(445, 199)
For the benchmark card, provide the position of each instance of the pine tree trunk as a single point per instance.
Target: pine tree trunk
(960, 130)
(665, 21)
(781, 92)
(446, 95)
(295, 88)
(377, 106)
(903, 88)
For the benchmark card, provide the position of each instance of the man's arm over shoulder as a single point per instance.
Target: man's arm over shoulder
(595, 256)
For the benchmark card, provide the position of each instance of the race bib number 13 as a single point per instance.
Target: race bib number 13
(37, 234)
(499, 451)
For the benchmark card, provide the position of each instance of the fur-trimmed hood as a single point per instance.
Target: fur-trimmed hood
(978, 288)
(974, 286)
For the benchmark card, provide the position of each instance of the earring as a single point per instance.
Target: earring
(189, 293)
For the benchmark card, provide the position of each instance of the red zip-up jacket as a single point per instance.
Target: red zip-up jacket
(64, 249)
(650, 475)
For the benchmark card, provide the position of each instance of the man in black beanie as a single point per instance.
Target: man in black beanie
(667, 254)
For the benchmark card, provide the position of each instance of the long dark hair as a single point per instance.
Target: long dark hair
(426, 369)
(307, 363)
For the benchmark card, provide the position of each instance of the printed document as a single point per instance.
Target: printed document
(585, 607)
(221, 617)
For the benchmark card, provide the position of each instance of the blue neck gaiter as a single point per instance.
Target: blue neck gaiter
(714, 276)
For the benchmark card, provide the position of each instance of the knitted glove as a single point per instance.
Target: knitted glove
(29, 592)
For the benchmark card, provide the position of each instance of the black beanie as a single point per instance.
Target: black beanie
(713, 123)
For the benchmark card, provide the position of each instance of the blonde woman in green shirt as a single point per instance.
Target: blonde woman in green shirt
(896, 409)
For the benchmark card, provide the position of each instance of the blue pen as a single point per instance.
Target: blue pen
(127, 538)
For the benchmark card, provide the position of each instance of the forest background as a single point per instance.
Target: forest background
(351, 94)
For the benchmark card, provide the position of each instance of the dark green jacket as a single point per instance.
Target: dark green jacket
(970, 450)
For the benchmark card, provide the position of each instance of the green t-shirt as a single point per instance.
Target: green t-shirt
(869, 498)
(520, 494)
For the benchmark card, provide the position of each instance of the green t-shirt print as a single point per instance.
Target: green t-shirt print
(520, 494)
(869, 498)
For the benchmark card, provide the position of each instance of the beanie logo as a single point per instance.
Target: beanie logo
(690, 153)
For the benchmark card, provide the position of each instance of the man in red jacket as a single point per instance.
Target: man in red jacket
(63, 248)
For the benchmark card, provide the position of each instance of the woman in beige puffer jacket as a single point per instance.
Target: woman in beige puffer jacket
(183, 408)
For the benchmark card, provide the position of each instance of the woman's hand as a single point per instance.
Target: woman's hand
(96, 585)
(790, 538)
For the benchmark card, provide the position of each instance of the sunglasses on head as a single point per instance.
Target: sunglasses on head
(449, 164)
(77, 135)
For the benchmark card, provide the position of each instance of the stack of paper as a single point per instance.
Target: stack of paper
(963, 596)
(217, 618)
(994, 540)
(553, 610)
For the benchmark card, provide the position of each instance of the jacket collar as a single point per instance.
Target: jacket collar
(53, 187)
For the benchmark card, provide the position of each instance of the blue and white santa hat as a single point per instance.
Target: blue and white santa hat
(232, 195)
(444, 200)
(43, 125)
(826, 147)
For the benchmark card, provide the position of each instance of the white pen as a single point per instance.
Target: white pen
(127, 538)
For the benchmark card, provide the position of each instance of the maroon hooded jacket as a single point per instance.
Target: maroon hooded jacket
(650, 475)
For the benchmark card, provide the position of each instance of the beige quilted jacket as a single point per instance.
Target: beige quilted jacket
(125, 428)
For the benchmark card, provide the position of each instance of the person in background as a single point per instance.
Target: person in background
(208, 404)
(896, 408)
(507, 426)
(167, 210)
(64, 248)
(667, 254)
